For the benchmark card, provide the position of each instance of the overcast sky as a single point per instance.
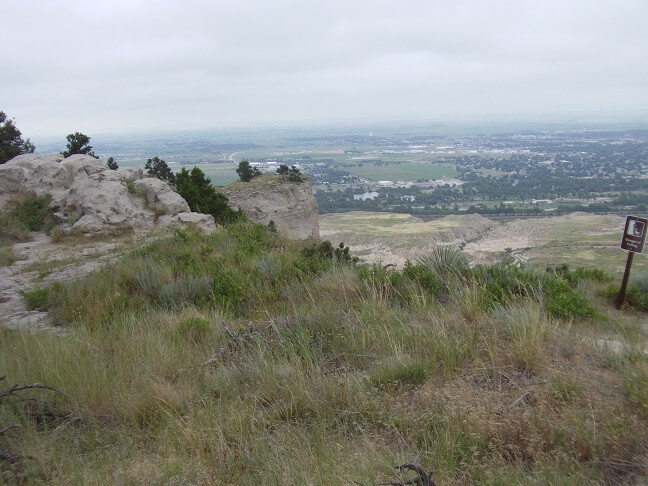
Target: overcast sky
(113, 66)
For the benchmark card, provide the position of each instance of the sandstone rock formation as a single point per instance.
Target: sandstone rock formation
(291, 205)
(91, 198)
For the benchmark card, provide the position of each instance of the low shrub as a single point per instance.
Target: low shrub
(34, 212)
(636, 293)
(505, 282)
(574, 276)
(561, 300)
(26, 214)
(36, 299)
(634, 296)
(424, 276)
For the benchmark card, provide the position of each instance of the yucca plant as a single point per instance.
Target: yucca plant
(447, 262)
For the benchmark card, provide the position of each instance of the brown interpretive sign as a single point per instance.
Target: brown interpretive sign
(634, 237)
(634, 234)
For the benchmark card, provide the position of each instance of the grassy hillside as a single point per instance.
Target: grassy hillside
(242, 358)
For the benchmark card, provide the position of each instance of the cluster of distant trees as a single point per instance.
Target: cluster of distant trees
(247, 172)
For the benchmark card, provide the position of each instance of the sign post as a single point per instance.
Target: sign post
(634, 237)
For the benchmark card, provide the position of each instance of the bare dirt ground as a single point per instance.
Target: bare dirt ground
(40, 262)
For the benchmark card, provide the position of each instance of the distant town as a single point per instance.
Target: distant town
(425, 171)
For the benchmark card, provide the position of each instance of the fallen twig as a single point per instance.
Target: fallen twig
(8, 428)
(424, 478)
(11, 391)
(519, 399)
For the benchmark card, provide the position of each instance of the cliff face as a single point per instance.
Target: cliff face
(291, 205)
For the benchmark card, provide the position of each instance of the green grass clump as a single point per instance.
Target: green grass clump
(193, 328)
(636, 292)
(37, 299)
(506, 282)
(636, 382)
(402, 372)
(13, 229)
(25, 214)
(561, 300)
(573, 277)
(524, 327)
(7, 256)
(236, 269)
(34, 212)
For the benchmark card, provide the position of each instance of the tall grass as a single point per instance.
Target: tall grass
(236, 358)
(524, 327)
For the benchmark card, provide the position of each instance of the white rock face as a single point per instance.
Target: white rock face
(159, 198)
(291, 205)
(204, 222)
(94, 199)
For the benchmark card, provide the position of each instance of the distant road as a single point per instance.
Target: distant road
(231, 157)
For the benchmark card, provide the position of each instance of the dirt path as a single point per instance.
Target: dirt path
(40, 262)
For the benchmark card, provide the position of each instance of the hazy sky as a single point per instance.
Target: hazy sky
(112, 66)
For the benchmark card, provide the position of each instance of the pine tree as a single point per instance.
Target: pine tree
(246, 172)
(112, 165)
(78, 143)
(159, 168)
(11, 142)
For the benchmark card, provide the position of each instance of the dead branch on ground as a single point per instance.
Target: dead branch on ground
(424, 478)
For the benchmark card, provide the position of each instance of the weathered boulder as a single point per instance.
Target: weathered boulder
(204, 222)
(291, 205)
(40, 174)
(159, 198)
(91, 198)
(105, 202)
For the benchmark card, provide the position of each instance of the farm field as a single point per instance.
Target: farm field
(219, 174)
(404, 172)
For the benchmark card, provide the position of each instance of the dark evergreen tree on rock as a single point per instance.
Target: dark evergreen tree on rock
(246, 172)
(78, 143)
(11, 142)
(201, 196)
(294, 174)
(283, 169)
(112, 165)
(159, 168)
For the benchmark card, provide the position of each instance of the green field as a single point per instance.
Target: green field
(219, 174)
(404, 172)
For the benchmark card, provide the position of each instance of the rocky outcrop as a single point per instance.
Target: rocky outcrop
(91, 198)
(291, 205)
